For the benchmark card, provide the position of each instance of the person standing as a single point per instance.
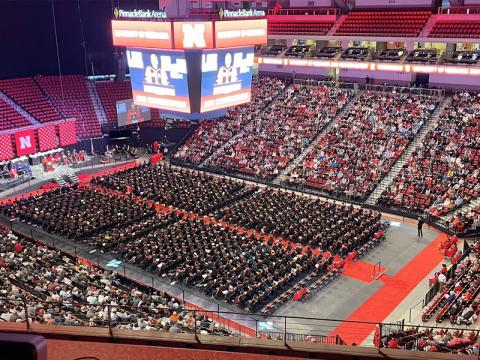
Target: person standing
(420, 227)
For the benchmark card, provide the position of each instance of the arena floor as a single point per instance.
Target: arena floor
(407, 261)
(354, 296)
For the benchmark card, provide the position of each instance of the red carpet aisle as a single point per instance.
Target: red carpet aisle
(394, 290)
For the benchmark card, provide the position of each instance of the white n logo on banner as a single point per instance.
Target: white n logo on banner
(194, 35)
(25, 142)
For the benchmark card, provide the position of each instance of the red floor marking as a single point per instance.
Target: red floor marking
(360, 270)
(394, 290)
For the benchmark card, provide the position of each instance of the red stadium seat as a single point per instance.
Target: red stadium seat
(384, 23)
(456, 29)
(10, 118)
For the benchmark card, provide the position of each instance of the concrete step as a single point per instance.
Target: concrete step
(241, 132)
(298, 160)
(397, 167)
(97, 103)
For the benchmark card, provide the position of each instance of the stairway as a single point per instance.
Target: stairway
(403, 159)
(428, 26)
(60, 181)
(337, 24)
(19, 109)
(241, 132)
(96, 102)
(49, 99)
(73, 178)
(298, 160)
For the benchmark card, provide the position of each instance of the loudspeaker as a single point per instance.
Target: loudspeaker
(120, 67)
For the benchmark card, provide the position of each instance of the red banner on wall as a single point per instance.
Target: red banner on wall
(68, 132)
(6, 148)
(25, 142)
(47, 138)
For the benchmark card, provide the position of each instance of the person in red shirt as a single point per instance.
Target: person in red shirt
(393, 343)
(155, 147)
(18, 247)
(443, 270)
(433, 280)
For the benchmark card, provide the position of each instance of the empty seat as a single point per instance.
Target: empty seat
(73, 100)
(384, 23)
(456, 29)
(299, 27)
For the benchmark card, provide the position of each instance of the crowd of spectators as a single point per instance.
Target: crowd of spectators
(457, 299)
(181, 188)
(361, 147)
(219, 261)
(59, 290)
(469, 220)
(331, 227)
(76, 212)
(442, 174)
(433, 340)
(279, 133)
(211, 135)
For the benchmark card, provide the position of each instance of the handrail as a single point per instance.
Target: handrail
(184, 296)
(333, 84)
(474, 9)
(281, 327)
(405, 90)
(303, 11)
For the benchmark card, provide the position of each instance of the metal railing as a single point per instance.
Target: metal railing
(333, 84)
(303, 11)
(113, 320)
(405, 90)
(226, 322)
(459, 10)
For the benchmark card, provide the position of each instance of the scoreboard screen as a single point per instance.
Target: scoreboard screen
(128, 113)
(159, 79)
(226, 77)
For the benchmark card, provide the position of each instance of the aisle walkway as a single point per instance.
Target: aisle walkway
(395, 289)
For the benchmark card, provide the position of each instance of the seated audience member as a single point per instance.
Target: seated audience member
(279, 133)
(60, 291)
(331, 227)
(181, 188)
(362, 145)
(442, 173)
(211, 135)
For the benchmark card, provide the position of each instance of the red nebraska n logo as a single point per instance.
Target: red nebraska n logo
(25, 142)
(194, 35)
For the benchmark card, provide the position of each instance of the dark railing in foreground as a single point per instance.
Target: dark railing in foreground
(192, 322)
(226, 323)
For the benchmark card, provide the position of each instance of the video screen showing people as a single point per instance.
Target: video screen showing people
(128, 113)
(226, 77)
(159, 79)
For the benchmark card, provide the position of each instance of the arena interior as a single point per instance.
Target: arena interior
(240, 180)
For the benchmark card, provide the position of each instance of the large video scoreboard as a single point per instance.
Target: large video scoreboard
(159, 79)
(190, 67)
(226, 77)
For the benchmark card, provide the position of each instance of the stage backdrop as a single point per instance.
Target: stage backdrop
(50, 136)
